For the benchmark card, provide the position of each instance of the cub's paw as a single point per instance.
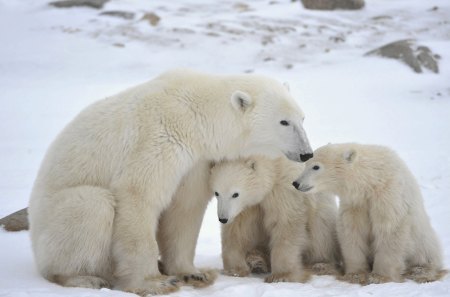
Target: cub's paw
(324, 269)
(160, 285)
(421, 274)
(201, 279)
(237, 271)
(375, 278)
(257, 263)
(288, 277)
(354, 278)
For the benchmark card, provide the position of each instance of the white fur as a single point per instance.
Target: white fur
(268, 214)
(116, 168)
(382, 225)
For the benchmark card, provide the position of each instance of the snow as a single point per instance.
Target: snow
(54, 62)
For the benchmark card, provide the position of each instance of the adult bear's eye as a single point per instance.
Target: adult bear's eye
(216, 194)
(235, 195)
(284, 123)
(317, 167)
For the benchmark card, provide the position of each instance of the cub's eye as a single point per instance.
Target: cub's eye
(316, 167)
(216, 194)
(284, 123)
(235, 195)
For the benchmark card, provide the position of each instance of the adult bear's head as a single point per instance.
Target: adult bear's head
(272, 120)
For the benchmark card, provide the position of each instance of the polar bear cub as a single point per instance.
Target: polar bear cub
(382, 225)
(261, 210)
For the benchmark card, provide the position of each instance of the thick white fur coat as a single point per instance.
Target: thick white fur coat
(288, 229)
(383, 229)
(140, 158)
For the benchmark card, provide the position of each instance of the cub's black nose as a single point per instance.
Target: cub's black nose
(223, 221)
(305, 157)
(296, 185)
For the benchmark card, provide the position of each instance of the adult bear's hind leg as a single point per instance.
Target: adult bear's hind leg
(71, 234)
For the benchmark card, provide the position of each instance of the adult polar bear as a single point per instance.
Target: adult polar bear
(116, 168)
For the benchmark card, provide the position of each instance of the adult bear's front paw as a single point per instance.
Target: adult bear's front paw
(204, 278)
(288, 277)
(160, 285)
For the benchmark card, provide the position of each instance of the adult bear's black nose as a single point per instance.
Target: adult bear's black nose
(223, 221)
(296, 185)
(305, 157)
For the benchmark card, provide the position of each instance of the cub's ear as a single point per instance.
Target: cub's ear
(286, 85)
(350, 156)
(241, 100)
(251, 164)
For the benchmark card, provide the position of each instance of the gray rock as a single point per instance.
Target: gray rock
(333, 4)
(152, 18)
(409, 53)
(16, 221)
(98, 4)
(119, 14)
(427, 59)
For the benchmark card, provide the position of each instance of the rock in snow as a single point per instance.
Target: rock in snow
(74, 3)
(119, 14)
(152, 18)
(16, 221)
(333, 4)
(409, 52)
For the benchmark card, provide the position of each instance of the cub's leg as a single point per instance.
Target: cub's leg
(353, 231)
(240, 237)
(287, 242)
(179, 227)
(71, 233)
(389, 256)
(323, 255)
(425, 256)
(391, 237)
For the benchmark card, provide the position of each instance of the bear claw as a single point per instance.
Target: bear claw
(200, 280)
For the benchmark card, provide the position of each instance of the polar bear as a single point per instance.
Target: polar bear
(116, 169)
(260, 210)
(382, 224)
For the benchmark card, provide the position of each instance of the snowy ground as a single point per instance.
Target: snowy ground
(54, 62)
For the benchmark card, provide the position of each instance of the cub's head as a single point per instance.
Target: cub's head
(239, 184)
(272, 120)
(326, 171)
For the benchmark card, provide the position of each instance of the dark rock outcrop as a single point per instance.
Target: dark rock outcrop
(333, 4)
(407, 51)
(16, 221)
(97, 4)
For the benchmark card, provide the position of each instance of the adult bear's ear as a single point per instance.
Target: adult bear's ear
(286, 85)
(350, 156)
(241, 100)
